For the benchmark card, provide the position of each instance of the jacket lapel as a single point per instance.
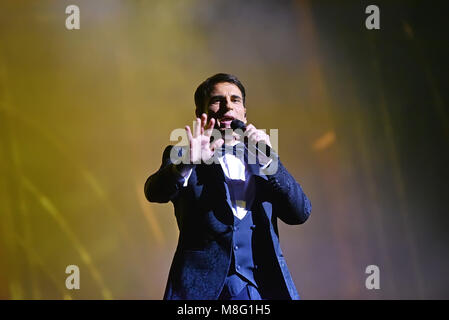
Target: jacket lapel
(213, 179)
(217, 190)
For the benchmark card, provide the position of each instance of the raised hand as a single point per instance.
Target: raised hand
(255, 135)
(200, 147)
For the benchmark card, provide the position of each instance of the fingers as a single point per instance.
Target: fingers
(210, 127)
(199, 125)
(217, 144)
(197, 128)
(203, 122)
(253, 135)
(256, 135)
(250, 126)
(251, 131)
(189, 133)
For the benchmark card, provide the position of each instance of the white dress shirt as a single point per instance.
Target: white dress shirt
(240, 185)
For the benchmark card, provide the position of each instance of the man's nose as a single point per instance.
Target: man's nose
(227, 105)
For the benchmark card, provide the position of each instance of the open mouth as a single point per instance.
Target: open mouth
(225, 122)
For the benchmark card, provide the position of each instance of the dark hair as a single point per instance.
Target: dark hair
(204, 90)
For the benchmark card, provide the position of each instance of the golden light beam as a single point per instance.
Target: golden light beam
(87, 175)
(366, 157)
(320, 97)
(37, 260)
(325, 141)
(51, 209)
(438, 103)
(397, 175)
(12, 154)
(149, 215)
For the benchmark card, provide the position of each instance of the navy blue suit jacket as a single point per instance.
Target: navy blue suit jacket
(205, 219)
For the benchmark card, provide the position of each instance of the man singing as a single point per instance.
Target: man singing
(227, 210)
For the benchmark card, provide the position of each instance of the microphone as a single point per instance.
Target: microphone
(237, 124)
(264, 155)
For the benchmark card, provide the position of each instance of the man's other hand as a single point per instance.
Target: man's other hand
(199, 141)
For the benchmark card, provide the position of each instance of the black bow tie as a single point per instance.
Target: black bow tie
(237, 149)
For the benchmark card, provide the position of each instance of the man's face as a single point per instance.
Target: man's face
(226, 104)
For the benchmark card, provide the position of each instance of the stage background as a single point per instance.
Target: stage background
(85, 115)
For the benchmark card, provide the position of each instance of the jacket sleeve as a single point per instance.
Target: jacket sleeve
(293, 206)
(164, 185)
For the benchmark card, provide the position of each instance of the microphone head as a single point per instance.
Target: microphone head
(237, 124)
